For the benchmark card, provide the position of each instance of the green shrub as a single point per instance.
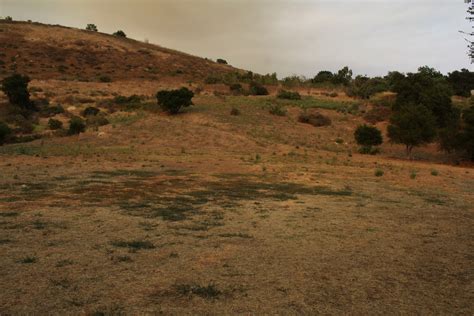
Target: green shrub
(90, 111)
(91, 27)
(8, 18)
(120, 99)
(52, 111)
(76, 126)
(367, 137)
(16, 89)
(379, 173)
(236, 89)
(413, 175)
(316, 119)
(222, 61)
(5, 132)
(256, 88)
(434, 172)
(288, 95)
(55, 124)
(120, 33)
(278, 110)
(172, 101)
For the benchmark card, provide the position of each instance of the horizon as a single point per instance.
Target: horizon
(262, 39)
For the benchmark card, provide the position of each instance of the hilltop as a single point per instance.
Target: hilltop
(58, 52)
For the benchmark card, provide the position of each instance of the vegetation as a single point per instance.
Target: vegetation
(222, 61)
(76, 126)
(120, 33)
(288, 95)
(256, 88)
(55, 124)
(316, 119)
(278, 110)
(90, 111)
(16, 89)
(364, 87)
(235, 111)
(367, 137)
(5, 132)
(462, 82)
(172, 101)
(91, 27)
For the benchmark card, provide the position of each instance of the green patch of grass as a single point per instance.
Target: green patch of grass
(133, 244)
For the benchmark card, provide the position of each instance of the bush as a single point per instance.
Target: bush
(222, 61)
(256, 88)
(368, 136)
(55, 124)
(76, 126)
(105, 79)
(316, 119)
(212, 80)
(5, 132)
(288, 95)
(16, 89)
(120, 99)
(120, 33)
(90, 111)
(277, 110)
(52, 111)
(234, 111)
(379, 172)
(171, 101)
(236, 89)
(91, 27)
(97, 121)
(8, 18)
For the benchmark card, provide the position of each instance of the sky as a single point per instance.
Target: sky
(289, 37)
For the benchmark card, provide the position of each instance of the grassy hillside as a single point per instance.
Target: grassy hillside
(57, 52)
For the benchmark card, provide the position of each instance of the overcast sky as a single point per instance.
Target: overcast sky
(283, 36)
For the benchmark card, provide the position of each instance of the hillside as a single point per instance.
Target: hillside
(57, 52)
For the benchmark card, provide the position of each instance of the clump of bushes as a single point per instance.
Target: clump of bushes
(256, 88)
(171, 101)
(5, 132)
(55, 124)
(52, 111)
(120, 33)
(221, 61)
(120, 99)
(76, 126)
(288, 95)
(367, 137)
(90, 111)
(16, 89)
(278, 110)
(315, 119)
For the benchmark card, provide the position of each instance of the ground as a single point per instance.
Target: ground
(209, 213)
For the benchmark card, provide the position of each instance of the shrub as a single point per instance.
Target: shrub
(52, 111)
(120, 99)
(256, 88)
(288, 95)
(55, 124)
(234, 111)
(222, 61)
(5, 132)
(236, 89)
(316, 119)
(16, 89)
(378, 114)
(90, 111)
(368, 136)
(8, 18)
(120, 33)
(91, 27)
(277, 110)
(379, 173)
(97, 121)
(323, 77)
(434, 172)
(105, 79)
(212, 80)
(171, 101)
(76, 126)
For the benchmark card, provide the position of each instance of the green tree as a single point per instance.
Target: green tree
(76, 126)
(462, 82)
(91, 27)
(323, 77)
(16, 89)
(412, 125)
(256, 88)
(367, 137)
(343, 76)
(221, 61)
(172, 101)
(120, 33)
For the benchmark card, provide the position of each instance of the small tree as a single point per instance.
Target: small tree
(256, 88)
(8, 18)
(412, 125)
(221, 61)
(171, 101)
(120, 33)
(76, 126)
(368, 136)
(5, 131)
(91, 27)
(16, 89)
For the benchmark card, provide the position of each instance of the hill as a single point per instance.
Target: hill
(57, 52)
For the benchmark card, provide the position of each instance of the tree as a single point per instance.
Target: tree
(5, 132)
(323, 76)
(470, 17)
(16, 89)
(462, 82)
(364, 87)
(8, 18)
(343, 76)
(257, 89)
(76, 126)
(91, 27)
(367, 137)
(172, 101)
(120, 33)
(459, 136)
(412, 125)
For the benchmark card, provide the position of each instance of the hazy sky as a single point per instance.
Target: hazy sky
(283, 36)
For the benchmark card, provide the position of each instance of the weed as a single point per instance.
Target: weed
(434, 172)
(379, 172)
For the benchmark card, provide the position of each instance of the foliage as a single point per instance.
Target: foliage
(90, 111)
(212, 80)
(459, 134)
(368, 136)
(76, 126)
(288, 95)
(97, 120)
(412, 125)
(8, 18)
(55, 124)
(278, 110)
(171, 101)
(91, 27)
(256, 88)
(5, 132)
(379, 172)
(120, 33)
(343, 76)
(105, 79)
(52, 110)
(16, 89)
(315, 119)
(236, 89)
(378, 114)
(462, 82)
(221, 61)
(323, 77)
(364, 87)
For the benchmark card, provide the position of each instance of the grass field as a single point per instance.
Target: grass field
(209, 213)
